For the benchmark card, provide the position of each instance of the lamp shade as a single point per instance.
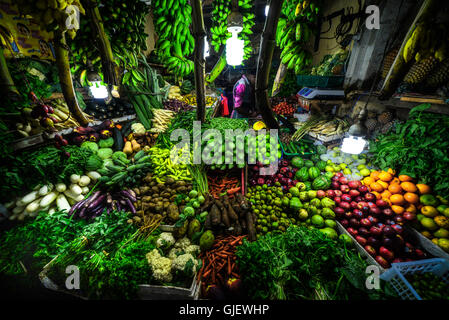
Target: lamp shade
(234, 47)
(353, 145)
(98, 90)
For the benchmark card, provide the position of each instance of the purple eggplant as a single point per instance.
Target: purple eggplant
(119, 207)
(91, 199)
(131, 206)
(97, 201)
(128, 195)
(82, 213)
(76, 207)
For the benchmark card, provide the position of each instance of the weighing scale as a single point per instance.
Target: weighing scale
(321, 94)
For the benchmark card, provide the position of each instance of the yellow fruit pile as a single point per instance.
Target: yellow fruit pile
(190, 99)
(175, 93)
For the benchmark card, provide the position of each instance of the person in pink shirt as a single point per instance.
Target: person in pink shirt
(243, 94)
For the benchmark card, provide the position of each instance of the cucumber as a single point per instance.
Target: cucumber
(115, 168)
(104, 179)
(143, 160)
(104, 172)
(137, 167)
(118, 177)
(120, 162)
(139, 155)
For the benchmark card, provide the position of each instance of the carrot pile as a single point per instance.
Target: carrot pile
(219, 262)
(222, 185)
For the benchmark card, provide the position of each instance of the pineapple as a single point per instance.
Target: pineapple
(439, 76)
(388, 61)
(420, 70)
(386, 127)
(371, 124)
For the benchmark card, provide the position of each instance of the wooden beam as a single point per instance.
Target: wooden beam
(199, 33)
(267, 46)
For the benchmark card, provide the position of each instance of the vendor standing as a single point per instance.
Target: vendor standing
(244, 100)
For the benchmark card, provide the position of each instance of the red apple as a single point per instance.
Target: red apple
(386, 254)
(353, 232)
(354, 223)
(363, 189)
(337, 200)
(353, 204)
(398, 219)
(358, 199)
(338, 193)
(365, 222)
(346, 197)
(409, 216)
(345, 205)
(345, 223)
(353, 193)
(358, 214)
(388, 231)
(375, 211)
(420, 254)
(343, 180)
(362, 205)
(320, 194)
(338, 174)
(380, 225)
(398, 228)
(339, 212)
(361, 240)
(372, 219)
(375, 231)
(335, 185)
(388, 212)
(364, 232)
(344, 188)
(371, 251)
(354, 184)
(381, 203)
(383, 263)
(372, 241)
(330, 194)
(370, 196)
(348, 214)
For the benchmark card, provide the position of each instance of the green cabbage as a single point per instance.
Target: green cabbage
(105, 153)
(90, 145)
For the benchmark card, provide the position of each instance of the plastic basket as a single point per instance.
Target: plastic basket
(396, 275)
(320, 81)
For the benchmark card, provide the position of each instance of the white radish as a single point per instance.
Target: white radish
(62, 203)
(84, 190)
(61, 187)
(74, 178)
(71, 201)
(33, 206)
(48, 199)
(30, 197)
(76, 197)
(76, 189)
(84, 181)
(45, 190)
(51, 211)
(94, 175)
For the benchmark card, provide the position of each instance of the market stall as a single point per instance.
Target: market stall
(123, 161)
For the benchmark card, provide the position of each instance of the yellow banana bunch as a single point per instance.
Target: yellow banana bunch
(412, 43)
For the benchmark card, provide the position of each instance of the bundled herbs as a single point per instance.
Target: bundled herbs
(35, 243)
(418, 148)
(302, 264)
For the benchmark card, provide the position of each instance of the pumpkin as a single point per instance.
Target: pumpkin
(314, 172)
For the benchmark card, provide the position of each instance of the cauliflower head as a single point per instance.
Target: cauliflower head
(165, 240)
(193, 249)
(182, 243)
(160, 266)
(180, 263)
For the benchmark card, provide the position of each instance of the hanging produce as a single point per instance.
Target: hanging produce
(219, 30)
(172, 19)
(246, 7)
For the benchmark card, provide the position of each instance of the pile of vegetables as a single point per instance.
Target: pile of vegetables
(219, 274)
(177, 105)
(99, 202)
(414, 146)
(302, 148)
(51, 198)
(303, 264)
(284, 109)
(163, 167)
(157, 199)
(124, 172)
(92, 133)
(221, 185)
(161, 120)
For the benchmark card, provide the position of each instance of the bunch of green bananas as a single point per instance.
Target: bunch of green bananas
(52, 14)
(119, 20)
(219, 30)
(247, 9)
(172, 19)
(294, 31)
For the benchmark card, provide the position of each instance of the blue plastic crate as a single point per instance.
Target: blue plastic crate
(396, 275)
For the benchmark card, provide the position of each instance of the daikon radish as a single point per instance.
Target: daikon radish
(48, 199)
(62, 203)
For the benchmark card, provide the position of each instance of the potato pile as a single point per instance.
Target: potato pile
(157, 200)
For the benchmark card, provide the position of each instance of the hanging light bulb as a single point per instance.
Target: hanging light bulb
(267, 8)
(234, 47)
(97, 90)
(206, 48)
(354, 143)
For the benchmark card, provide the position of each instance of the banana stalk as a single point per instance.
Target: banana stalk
(218, 68)
(65, 78)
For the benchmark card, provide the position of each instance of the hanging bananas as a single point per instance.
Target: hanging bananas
(295, 29)
(219, 30)
(172, 19)
(246, 7)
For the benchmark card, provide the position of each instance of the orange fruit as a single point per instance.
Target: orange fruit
(377, 194)
(411, 197)
(375, 175)
(386, 194)
(376, 187)
(411, 208)
(395, 181)
(397, 209)
(367, 181)
(397, 199)
(404, 177)
(394, 188)
(391, 171)
(409, 186)
(383, 184)
(423, 188)
(385, 176)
